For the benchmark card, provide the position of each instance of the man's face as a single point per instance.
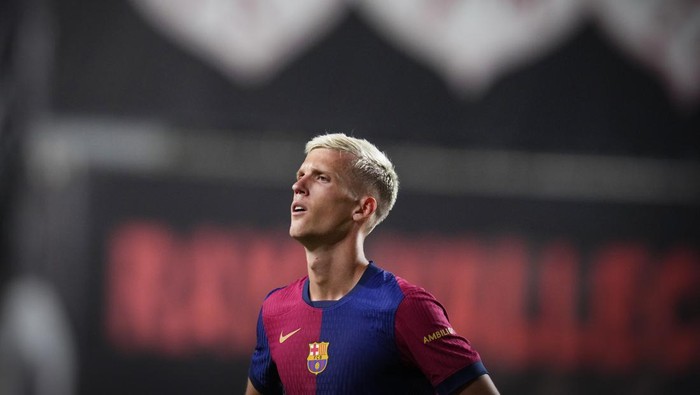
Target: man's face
(323, 202)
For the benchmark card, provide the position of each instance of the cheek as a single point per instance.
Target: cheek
(343, 210)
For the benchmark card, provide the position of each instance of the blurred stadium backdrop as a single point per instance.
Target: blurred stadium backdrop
(549, 154)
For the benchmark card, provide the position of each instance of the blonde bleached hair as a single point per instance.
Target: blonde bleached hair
(371, 168)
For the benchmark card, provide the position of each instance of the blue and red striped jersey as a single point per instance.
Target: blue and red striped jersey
(385, 336)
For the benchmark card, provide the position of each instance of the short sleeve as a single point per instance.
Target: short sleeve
(263, 371)
(426, 339)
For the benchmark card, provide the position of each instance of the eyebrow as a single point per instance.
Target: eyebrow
(310, 170)
(314, 171)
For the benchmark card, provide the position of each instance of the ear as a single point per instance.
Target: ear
(367, 206)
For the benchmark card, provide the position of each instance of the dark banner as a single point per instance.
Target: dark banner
(558, 297)
(584, 94)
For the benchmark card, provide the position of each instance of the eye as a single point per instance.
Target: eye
(323, 177)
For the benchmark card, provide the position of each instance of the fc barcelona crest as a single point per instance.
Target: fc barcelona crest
(318, 357)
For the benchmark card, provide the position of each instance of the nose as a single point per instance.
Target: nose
(299, 186)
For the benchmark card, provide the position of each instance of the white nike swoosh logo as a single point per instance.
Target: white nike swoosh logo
(283, 338)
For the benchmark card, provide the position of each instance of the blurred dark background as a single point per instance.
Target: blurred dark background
(549, 153)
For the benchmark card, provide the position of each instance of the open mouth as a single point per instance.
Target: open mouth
(297, 208)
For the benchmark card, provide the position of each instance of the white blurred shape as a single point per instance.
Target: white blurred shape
(471, 43)
(663, 34)
(37, 353)
(249, 41)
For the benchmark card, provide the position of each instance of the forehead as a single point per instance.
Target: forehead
(325, 159)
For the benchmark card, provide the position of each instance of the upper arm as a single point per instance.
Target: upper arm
(250, 389)
(482, 385)
(426, 339)
(262, 371)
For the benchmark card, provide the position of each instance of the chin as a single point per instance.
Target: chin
(295, 233)
(303, 236)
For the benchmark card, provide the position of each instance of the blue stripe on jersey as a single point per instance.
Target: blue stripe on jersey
(262, 359)
(360, 330)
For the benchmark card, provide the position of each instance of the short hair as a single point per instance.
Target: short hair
(371, 168)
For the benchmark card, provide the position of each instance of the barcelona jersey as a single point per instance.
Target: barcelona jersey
(385, 336)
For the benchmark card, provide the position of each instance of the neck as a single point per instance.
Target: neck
(335, 270)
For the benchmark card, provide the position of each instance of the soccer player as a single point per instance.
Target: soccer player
(350, 327)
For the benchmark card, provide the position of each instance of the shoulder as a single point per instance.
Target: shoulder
(402, 290)
(413, 292)
(379, 290)
(408, 287)
(383, 284)
(280, 300)
(386, 289)
(417, 301)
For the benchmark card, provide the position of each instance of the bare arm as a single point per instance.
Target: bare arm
(250, 390)
(481, 386)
